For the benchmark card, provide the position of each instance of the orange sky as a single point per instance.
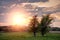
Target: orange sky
(10, 8)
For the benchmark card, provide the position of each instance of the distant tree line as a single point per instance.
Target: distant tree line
(54, 29)
(6, 29)
(3, 29)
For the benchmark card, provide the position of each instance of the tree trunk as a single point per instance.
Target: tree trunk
(42, 34)
(34, 34)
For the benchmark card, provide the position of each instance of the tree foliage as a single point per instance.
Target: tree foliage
(33, 25)
(45, 24)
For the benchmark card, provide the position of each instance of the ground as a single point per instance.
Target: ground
(28, 36)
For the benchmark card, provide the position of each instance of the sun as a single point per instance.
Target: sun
(20, 19)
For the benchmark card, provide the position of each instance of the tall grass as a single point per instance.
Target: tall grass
(27, 36)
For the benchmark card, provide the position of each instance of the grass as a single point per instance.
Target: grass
(27, 36)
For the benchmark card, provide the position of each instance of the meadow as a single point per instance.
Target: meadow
(28, 36)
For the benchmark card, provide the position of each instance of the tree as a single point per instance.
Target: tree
(33, 25)
(45, 24)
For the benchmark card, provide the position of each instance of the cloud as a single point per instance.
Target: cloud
(40, 3)
(56, 20)
(3, 10)
(2, 14)
(53, 9)
(56, 24)
(49, 3)
(2, 18)
(42, 10)
(31, 6)
(31, 1)
(2, 24)
(25, 0)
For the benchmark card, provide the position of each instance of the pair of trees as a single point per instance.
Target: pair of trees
(42, 26)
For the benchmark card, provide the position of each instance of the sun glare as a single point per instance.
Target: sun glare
(20, 19)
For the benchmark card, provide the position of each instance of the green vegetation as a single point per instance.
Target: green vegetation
(27, 36)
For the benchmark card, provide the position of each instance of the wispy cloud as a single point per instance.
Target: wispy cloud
(31, 6)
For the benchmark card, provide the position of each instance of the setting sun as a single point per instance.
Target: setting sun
(20, 19)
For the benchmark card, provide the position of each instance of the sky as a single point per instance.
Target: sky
(30, 7)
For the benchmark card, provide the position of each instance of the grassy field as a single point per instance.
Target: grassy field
(27, 36)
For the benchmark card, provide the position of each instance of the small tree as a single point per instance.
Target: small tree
(33, 25)
(45, 24)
